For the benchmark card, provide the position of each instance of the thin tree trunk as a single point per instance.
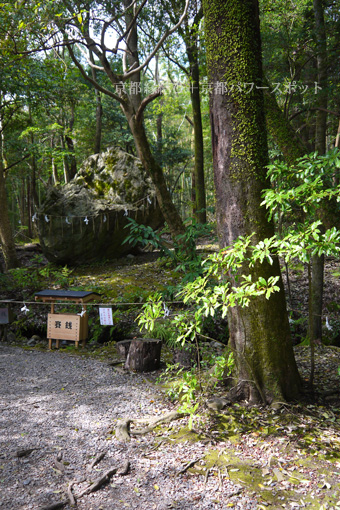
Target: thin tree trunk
(137, 127)
(72, 163)
(199, 182)
(99, 111)
(315, 326)
(65, 162)
(159, 120)
(6, 236)
(168, 209)
(259, 334)
(29, 209)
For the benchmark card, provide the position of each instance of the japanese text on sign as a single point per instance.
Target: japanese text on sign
(105, 315)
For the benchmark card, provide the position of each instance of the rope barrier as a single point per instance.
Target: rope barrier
(67, 303)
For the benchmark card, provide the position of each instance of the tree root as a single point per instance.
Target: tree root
(123, 431)
(55, 506)
(97, 484)
(189, 465)
(70, 496)
(97, 460)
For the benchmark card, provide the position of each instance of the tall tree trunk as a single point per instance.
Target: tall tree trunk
(66, 166)
(33, 166)
(315, 321)
(168, 209)
(29, 208)
(259, 334)
(6, 236)
(137, 127)
(72, 163)
(159, 120)
(99, 110)
(199, 182)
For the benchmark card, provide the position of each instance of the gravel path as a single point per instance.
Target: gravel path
(66, 405)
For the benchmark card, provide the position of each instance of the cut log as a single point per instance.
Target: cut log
(144, 355)
(123, 348)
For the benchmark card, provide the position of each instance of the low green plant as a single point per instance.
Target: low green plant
(145, 236)
(222, 366)
(28, 280)
(190, 387)
(166, 332)
(184, 387)
(184, 256)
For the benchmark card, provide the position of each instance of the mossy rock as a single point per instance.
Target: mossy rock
(85, 220)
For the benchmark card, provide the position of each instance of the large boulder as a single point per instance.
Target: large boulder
(85, 219)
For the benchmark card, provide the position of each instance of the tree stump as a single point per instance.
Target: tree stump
(144, 355)
(123, 348)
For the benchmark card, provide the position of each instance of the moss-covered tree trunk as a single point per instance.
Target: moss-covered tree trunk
(259, 334)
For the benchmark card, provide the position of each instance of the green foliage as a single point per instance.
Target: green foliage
(189, 387)
(222, 365)
(151, 311)
(303, 186)
(27, 280)
(184, 387)
(141, 235)
(183, 257)
(164, 331)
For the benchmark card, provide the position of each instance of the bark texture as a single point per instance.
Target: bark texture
(6, 237)
(199, 181)
(144, 355)
(259, 334)
(315, 320)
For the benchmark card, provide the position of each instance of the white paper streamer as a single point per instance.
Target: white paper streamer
(166, 311)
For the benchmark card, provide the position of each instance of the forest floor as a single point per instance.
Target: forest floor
(59, 411)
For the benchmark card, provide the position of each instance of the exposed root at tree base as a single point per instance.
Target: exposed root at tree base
(124, 432)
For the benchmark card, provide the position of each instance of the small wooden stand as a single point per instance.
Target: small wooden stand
(66, 326)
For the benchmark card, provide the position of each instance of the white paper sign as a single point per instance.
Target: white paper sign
(105, 315)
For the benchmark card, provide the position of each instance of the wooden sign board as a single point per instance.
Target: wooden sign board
(5, 315)
(67, 326)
